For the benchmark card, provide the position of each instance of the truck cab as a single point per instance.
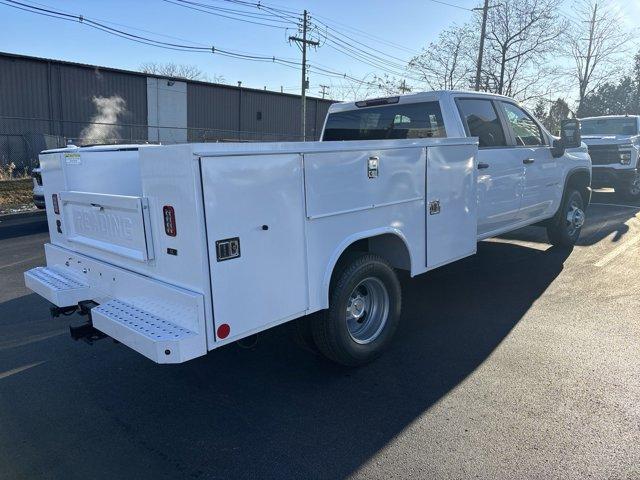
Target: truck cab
(614, 147)
(522, 170)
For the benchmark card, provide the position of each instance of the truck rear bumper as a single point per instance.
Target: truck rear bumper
(163, 322)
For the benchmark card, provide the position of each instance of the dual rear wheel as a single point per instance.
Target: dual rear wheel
(364, 310)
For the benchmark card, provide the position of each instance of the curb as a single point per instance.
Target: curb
(22, 215)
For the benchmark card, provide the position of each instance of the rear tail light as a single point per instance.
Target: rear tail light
(56, 207)
(169, 220)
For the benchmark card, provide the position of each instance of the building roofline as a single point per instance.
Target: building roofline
(153, 75)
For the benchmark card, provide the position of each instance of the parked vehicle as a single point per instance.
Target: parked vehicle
(177, 250)
(38, 191)
(614, 147)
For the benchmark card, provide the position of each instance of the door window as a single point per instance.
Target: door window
(525, 130)
(482, 121)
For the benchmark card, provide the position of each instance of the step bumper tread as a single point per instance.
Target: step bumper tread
(60, 289)
(156, 338)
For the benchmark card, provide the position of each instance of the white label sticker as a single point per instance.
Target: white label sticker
(72, 158)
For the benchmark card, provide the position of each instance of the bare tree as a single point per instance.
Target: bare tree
(349, 89)
(175, 70)
(447, 63)
(391, 85)
(595, 41)
(521, 36)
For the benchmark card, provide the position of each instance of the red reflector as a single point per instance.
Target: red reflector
(224, 330)
(56, 207)
(169, 220)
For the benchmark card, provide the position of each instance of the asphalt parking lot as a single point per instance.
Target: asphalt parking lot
(520, 362)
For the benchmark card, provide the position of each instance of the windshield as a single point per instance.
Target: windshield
(413, 120)
(609, 126)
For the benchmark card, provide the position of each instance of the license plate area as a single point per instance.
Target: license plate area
(114, 223)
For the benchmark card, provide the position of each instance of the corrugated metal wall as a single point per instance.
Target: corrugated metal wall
(41, 98)
(254, 114)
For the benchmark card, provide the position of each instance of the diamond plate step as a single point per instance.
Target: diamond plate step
(156, 338)
(60, 289)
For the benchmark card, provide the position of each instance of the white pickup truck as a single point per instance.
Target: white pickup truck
(614, 146)
(177, 250)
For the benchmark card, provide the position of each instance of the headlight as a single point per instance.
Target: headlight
(625, 158)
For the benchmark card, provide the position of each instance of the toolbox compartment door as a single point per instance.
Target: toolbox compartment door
(254, 210)
(452, 198)
(117, 224)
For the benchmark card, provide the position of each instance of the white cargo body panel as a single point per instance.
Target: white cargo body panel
(339, 182)
(452, 221)
(260, 201)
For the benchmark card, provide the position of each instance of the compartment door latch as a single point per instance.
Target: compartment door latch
(434, 207)
(372, 167)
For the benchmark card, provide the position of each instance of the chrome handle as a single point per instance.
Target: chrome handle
(528, 161)
(372, 167)
(482, 166)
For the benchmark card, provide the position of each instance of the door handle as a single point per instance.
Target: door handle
(482, 166)
(528, 161)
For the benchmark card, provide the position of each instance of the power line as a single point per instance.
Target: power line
(351, 47)
(60, 15)
(452, 5)
(365, 34)
(209, 10)
(139, 38)
(361, 45)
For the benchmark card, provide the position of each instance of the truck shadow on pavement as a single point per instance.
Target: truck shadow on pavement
(276, 410)
(608, 217)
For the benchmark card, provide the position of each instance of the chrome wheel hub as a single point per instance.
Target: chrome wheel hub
(367, 310)
(575, 219)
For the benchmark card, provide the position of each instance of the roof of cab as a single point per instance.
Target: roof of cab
(419, 97)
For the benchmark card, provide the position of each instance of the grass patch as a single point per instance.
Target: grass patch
(16, 195)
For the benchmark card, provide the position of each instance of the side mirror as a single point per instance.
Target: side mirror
(570, 133)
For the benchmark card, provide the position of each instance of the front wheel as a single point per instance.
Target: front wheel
(565, 227)
(631, 191)
(363, 313)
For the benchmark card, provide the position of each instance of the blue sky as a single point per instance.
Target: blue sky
(408, 23)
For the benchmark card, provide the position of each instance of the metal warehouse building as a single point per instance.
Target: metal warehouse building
(45, 103)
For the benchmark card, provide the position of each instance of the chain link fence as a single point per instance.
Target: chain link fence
(23, 138)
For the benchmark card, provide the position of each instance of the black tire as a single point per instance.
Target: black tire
(561, 231)
(631, 191)
(339, 333)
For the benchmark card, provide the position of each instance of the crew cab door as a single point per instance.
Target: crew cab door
(542, 180)
(500, 172)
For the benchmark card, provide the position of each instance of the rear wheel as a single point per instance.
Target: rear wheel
(363, 313)
(565, 228)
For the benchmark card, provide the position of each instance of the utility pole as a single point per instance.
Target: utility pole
(324, 90)
(483, 30)
(303, 42)
(403, 87)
